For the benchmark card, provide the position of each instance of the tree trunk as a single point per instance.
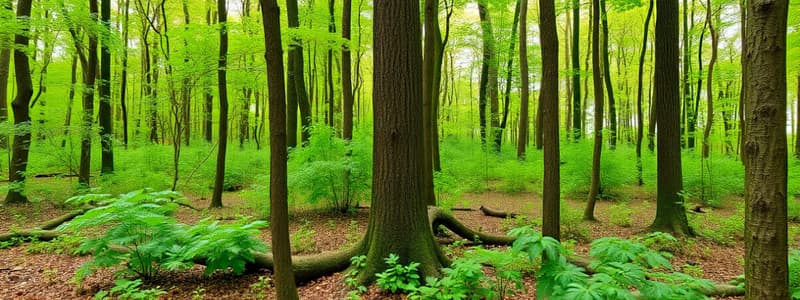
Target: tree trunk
(597, 77)
(577, 109)
(488, 83)
(548, 95)
(398, 221)
(612, 106)
(639, 90)
(329, 74)
(347, 85)
(797, 135)
(766, 266)
(428, 94)
(89, 75)
(709, 81)
(123, 89)
(670, 210)
(70, 98)
(222, 85)
(524, 79)
(297, 82)
(686, 138)
(104, 89)
(186, 88)
(498, 139)
(279, 214)
(22, 140)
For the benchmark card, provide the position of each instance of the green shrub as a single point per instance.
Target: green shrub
(129, 290)
(398, 277)
(620, 215)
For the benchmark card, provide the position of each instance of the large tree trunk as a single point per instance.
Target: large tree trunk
(398, 221)
(612, 106)
(522, 140)
(279, 215)
(639, 90)
(222, 85)
(766, 150)
(22, 140)
(577, 109)
(670, 211)
(597, 77)
(551, 209)
(104, 89)
(709, 81)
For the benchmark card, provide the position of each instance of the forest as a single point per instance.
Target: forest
(393, 149)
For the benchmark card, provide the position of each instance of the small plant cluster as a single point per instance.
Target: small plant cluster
(143, 235)
(357, 264)
(330, 169)
(128, 290)
(618, 268)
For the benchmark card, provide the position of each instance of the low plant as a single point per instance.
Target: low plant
(303, 239)
(259, 288)
(65, 243)
(357, 263)
(620, 215)
(398, 277)
(129, 290)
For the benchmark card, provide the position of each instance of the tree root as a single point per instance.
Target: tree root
(496, 213)
(40, 235)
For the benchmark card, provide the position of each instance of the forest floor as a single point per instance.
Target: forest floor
(24, 275)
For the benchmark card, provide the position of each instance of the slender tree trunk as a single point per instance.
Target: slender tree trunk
(670, 210)
(347, 86)
(597, 78)
(766, 266)
(577, 109)
(498, 139)
(329, 62)
(70, 98)
(428, 70)
(186, 88)
(488, 83)
(548, 95)
(639, 90)
(797, 135)
(89, 75)
(687, 140)
(524, 81)
(612, 106)
(104, 88)
(222, 85)
(279, 214)
(298, 83)
(22, 140)
(695, 106)
(709, 81)
(124, 77)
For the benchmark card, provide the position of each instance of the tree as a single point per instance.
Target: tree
(88, 58)
(123, 86)
(428, 73)
(347, 86)
(524, 79)
(548, 96)
(279, 214)
(576, 71)
(297, 97)
(222, 85)
(104, 90)
(22, 119)
(670, 211)
(488, 83)
(639, 91)
(398, 221)
(709, 82)
(606, 70)
(597, 77)
(766, 265)
(498, 139)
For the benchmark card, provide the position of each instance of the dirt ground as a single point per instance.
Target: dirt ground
(48, 276)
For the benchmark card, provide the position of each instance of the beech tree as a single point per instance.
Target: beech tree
(597, 81)
(222, 85)
(548, 95)
(766, 263)
(22, 118)
(522, 140)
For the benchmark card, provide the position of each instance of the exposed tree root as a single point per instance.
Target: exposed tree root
(496, 213)
(438, 217)
(41, 235)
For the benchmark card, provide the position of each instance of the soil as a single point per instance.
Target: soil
(48, 276)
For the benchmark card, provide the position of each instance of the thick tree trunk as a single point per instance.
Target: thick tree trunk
(524, 80)
(577, 109)
(597, 77)
(639, 91)
(279, 215)
(670, 210)
(222, 85)
(612, 106)
(22, 140)
(398, 221)
(766, 266)
(104, 89)
(487, 84)
(548, 95)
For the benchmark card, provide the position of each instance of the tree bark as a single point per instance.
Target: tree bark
(522, 140)
(5, 62)
(347, 85)
(797, 135)
(670, 210)
(577, 109)
(222, 85)
(606, 70)
(123, 87)
(297, 82)
(89, 74)
(548, 95)
(639, 90)
(766, 266)
(498, 139)
(488, 84)
(428, 70)
(398, 220)
(709, 82)
(22, 136)
(597, 77)
(279, 214)
(104, 89)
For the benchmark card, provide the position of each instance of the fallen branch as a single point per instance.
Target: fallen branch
(497, 213)
(39, 235)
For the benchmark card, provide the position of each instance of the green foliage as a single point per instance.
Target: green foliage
(620, 215)
(303, 239)
(357, 263)
(129, 290)
(572, 226)
(330, 169)
(259, 288)
(398, 277)
(143, 235)
(65, 243)
(794, 274)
